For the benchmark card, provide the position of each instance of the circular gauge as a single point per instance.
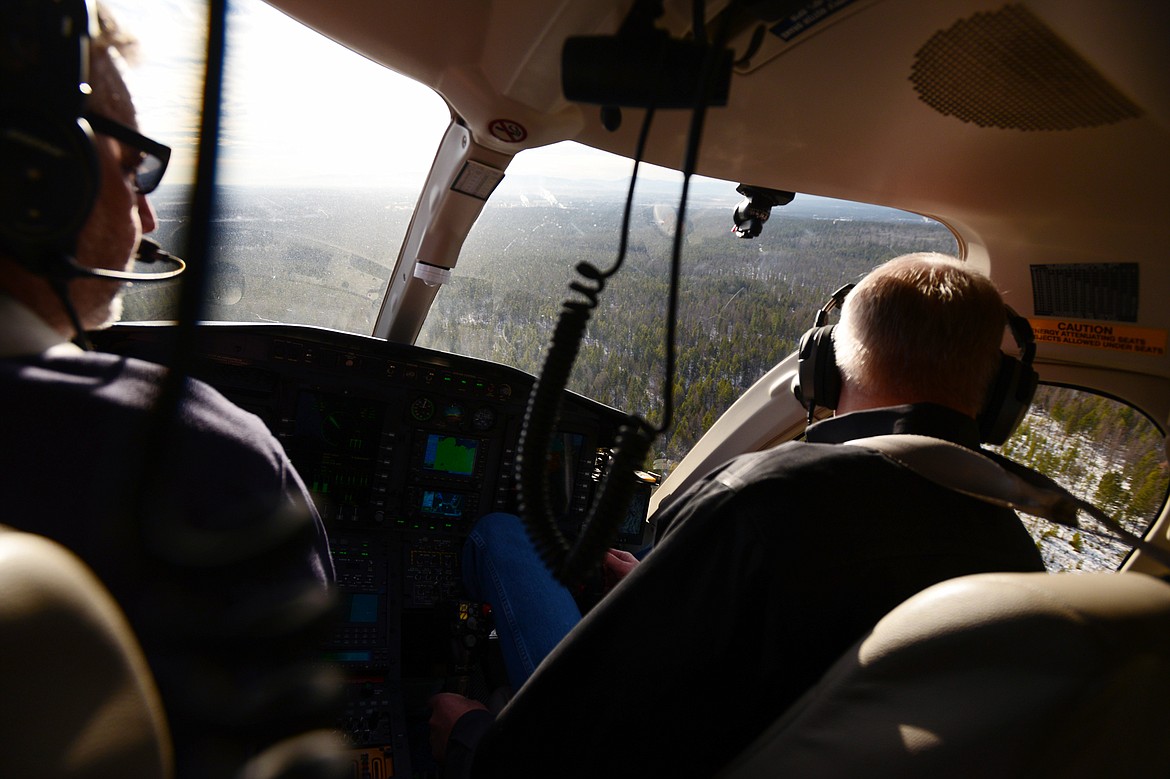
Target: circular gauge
(483, 418)
(422, 409)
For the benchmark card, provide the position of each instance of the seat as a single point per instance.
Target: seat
(78, 699)
(991, 675)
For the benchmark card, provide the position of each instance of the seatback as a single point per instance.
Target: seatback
(991, 675)
(77, 698)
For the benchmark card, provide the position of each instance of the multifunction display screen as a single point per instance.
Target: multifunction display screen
(442, 504)
(450, 455)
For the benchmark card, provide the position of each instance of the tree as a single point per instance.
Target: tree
(1110, 491)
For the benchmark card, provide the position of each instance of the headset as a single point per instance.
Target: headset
(818, 380)
(49, 169)
(49, 172)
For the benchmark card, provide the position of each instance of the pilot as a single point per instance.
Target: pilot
(774, 564)
(222, 535)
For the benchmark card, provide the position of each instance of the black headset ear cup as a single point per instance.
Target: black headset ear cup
(1013, 388)
(818, 380)
(49, 173)
(49, 177)
(1007, 401)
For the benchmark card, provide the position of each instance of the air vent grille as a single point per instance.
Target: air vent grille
(1006, 69)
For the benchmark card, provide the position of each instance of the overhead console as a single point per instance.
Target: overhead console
(402, 449)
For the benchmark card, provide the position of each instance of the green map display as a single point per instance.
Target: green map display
(449, 454)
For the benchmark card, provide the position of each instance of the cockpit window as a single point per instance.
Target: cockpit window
(319, 174)
(1102, 451)
(322, 157)
(743, 303)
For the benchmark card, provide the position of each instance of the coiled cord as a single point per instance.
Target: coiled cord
(569, 563)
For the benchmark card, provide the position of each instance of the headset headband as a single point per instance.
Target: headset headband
(818, 379)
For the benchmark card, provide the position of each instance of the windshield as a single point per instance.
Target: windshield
(743, 303)
(322, 157)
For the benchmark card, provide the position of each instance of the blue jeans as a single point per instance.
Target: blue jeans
(532, 610)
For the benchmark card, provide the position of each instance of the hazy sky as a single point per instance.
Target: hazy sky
(299, 109)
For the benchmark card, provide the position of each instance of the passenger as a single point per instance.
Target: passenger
(206, 558)
(774, 564)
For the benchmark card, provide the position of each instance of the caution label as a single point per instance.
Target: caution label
(1118, 338)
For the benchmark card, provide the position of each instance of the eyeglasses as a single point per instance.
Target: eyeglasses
(155, 156)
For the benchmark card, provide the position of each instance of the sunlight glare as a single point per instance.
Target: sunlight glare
(293, 100)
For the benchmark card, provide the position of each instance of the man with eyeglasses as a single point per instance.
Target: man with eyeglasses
(129, 166)
(223, 536)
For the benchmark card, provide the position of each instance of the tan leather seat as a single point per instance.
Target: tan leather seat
(77, 699)
(993, 675)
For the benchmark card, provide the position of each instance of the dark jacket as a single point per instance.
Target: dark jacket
(205, 541)
(768, 570)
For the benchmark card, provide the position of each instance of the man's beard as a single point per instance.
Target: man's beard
(97, 306)
(113, 311)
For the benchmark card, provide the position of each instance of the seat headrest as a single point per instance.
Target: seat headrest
(79, 701)
(992, 675)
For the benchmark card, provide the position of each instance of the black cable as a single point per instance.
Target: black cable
(60, 286)
(699, 22)
(690, 162)
(571, 562)
(676, 271)
(163, 538)
(248, 641)
(627, 211)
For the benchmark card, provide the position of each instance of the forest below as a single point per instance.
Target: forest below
(1101, 450)
(743, 304)
(320, 258)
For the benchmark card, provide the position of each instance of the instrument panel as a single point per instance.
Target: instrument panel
(402, 449)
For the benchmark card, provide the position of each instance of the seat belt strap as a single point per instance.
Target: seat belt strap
(1000, 482)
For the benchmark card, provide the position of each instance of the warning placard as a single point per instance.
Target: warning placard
(1095, 335)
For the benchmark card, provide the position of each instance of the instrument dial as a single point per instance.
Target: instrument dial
(422, 409)
(483, 418)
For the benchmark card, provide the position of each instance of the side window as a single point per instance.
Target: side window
(1101, 450)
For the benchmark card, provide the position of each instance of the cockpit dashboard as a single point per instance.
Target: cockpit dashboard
(402, 449)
